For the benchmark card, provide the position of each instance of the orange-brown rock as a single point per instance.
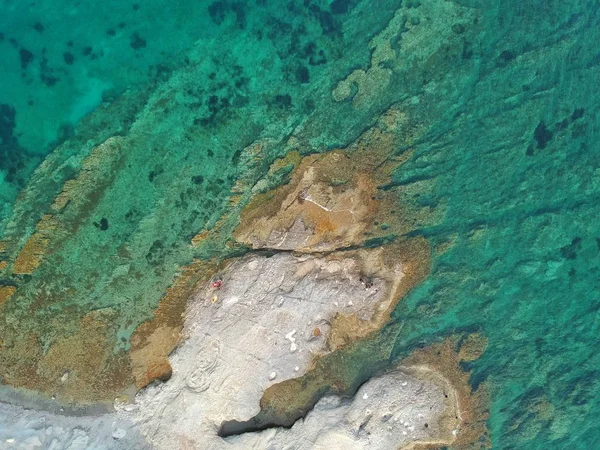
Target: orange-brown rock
(444, 359)
(153, 341)
(74, 367)
(30, 256)
(402, 265)
(6, 292)
(74, 201)
(332, 200)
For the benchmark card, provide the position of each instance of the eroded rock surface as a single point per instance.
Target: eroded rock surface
(388, 412)
(266, 322)
(400, 407)
(263, 320)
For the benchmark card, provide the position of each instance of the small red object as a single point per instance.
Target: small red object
(216, 284)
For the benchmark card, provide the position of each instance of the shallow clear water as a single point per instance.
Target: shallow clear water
(504, 95)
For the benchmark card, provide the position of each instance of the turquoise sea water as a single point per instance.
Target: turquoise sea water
(506, 91)
(517, 170)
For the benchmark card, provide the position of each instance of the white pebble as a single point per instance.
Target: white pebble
(404, 433)
(365, 396)
(350, 303)
(290, 336)
(293, 347)
(272, 375)
(296, 369)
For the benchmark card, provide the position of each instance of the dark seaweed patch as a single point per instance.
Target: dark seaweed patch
(11, 154)
(529, 151)
(467, 50)
(242, 82)
(217, 11)
(506, 56)
(26, 57)
(283, 100)
(47, 74)
(7, 124)
(563, 124)
(215, 105)
(577, 114)
(315, 56)
(235, 159)
(159, 71)
(302, 75)
(136, 41)
(39, 27)
(240, 14)
(156, 253)
(458, 28)
(325, 18)
(340, 6)
(570, 251)
(309, 105)
(102, 225)
(542, 135)
(68, 57)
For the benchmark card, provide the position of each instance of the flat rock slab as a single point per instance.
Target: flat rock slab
(263, 324)
(387, 412)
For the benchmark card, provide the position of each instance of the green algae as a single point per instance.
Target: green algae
(505, 163)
